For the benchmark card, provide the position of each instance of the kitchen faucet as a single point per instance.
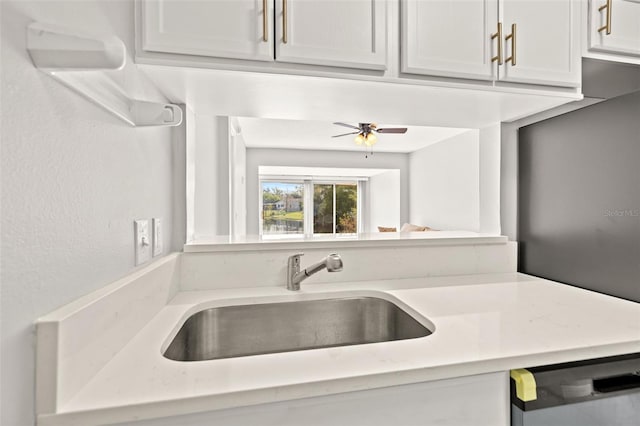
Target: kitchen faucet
(333, 263)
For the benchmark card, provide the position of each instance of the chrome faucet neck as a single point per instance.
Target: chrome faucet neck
(333, 263)
(293, 272)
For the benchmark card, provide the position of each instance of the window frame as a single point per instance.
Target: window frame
(288, 180)
(308, 205)
(335, 182)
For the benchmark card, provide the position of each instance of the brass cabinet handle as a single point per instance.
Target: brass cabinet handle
(512, 37)
(265, 24)
(284, 21)
(498, 35)
(607, 25)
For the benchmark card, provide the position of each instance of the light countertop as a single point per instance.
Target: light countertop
(483, 323)
(372, 239)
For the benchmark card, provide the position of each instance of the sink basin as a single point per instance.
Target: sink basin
(235, 331)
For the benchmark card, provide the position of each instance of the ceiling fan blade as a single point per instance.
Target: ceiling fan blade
(392, 130)
(345, 134)
(347, 125)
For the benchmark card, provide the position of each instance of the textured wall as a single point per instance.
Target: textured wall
(73, 179)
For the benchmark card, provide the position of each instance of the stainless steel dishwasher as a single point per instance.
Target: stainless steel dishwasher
(599, 392)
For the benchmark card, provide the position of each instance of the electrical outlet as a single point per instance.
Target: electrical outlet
(157, 237)
(142, 241)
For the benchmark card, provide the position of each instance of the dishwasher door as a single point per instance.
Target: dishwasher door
(599, 392)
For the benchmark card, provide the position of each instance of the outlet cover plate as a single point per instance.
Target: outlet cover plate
(142, 241)
(157, 237)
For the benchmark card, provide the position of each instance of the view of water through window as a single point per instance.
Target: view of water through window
(334, 208)
(282, 208)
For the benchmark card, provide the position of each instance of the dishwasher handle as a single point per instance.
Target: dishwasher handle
(617, 383)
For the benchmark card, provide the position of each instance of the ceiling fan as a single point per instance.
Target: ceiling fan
(366, 132)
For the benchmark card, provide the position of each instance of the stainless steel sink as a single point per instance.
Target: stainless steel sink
(235, 331)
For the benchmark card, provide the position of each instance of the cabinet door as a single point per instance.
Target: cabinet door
(624, 28)
(344, 33)
(450, 38)
(545, 47)
(220, 28)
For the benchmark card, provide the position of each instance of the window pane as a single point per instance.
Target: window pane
(347, 209)
(323, 209)
(282, 208)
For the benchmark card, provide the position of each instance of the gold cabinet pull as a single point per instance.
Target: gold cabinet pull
(498, 35)
(265, 24)
(284, 21)
(607, 25)
(512, 37)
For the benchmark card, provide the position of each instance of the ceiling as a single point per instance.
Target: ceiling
(319, 171)
(307, 134)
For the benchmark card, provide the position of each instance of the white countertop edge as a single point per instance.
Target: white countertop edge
(82, 302)
(391, 239)
(200, 404)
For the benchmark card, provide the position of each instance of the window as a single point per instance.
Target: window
(282, 208)
(307, 207)
(335, 208)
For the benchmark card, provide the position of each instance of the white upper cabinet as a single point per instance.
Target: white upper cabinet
(614, 26)
(522, 41)
(344, 33)
(239, 29)
(541, 42)
(449, 38)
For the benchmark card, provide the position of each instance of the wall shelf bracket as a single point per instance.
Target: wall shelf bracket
(97, 68)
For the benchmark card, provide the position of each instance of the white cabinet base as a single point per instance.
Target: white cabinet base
(481, 400)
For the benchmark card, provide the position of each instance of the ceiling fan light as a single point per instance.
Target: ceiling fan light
(359, 139)
(371, 139)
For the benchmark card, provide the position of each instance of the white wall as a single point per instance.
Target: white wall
(179, 195)
(444, 184)
(238, 176)
(303, 158)
(238, 184)
(384, 200)
(74, 178)
(490, 150)
(190, 173)
(208, 142)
